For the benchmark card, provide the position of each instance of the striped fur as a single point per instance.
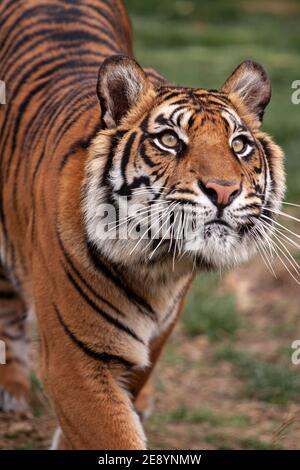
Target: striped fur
(106, 307)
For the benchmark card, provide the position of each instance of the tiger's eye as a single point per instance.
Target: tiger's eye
(169, 140)
(238, 145)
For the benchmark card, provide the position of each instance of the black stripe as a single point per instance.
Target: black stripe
(116, 278)
(114, 142)
(180, 108)
(79, 145)
(7, 295)
(145, 157)
(168, 92)
(57, 35)
(12, 337)
(255, 205)
(184, 190)
(99, 356)
(161, 119)
(3, 17)
(184, 101)
(23, 106)
(82, 106)
(17, 320)
(21, 112)
(268, 156)
(86, 284)
(102, 13)
(59, 136)
(97, 309)
(155, 75)
(126, 154)
(18, 360)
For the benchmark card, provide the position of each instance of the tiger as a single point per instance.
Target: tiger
(86, 129)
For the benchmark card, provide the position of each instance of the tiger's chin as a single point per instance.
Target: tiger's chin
(212, 254)
(220, 248)
(214, 249)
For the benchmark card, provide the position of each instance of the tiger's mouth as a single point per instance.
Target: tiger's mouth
(216, 243)
(218, 222)
(208, 226)
(218, 228)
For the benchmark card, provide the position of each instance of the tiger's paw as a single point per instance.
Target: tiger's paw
(10, 403)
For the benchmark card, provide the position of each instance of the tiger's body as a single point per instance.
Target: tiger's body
(104, 309)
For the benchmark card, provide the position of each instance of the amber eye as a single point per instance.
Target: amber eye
(238, 145)
(168, 139)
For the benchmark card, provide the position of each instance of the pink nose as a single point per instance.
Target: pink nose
(222, 192)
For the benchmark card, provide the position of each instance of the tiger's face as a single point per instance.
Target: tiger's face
(187, 172)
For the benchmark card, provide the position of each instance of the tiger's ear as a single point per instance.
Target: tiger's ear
(121, 83)
(251, 84)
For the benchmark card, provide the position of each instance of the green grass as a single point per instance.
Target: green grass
(273, 383)
(208, 312)
(38, 398)
(27, 446)
(172, 356)
(223, 442)
(207, 415)
(252, 443)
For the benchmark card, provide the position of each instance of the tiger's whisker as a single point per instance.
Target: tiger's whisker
(149, 230)
(283, 214)
(156, 212)
(167, 212)
(290, 204)
(288, 257)
(160, 242)
(264, 257)
(280, 225)
(289, 240)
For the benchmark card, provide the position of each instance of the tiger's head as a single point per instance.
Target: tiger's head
(181, 174)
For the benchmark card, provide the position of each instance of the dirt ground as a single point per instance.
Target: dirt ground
(200, 400)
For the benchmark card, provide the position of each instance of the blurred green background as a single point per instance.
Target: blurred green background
(226, 379)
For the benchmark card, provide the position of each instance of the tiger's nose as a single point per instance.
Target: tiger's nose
(221, 192)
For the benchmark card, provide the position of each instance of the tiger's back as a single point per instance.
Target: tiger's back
(49, 60)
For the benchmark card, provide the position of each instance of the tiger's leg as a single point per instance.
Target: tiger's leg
(94, 411)
(14, 380)
(87, 389)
